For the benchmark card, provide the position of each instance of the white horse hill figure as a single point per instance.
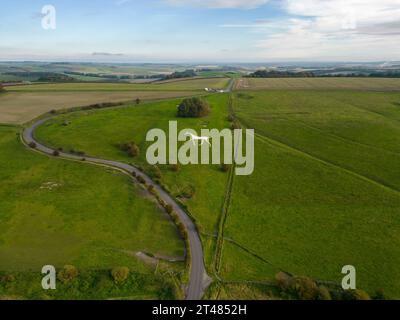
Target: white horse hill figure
(195, 138)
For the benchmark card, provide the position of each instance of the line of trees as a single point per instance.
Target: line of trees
(280, 74)
(305, 74)
(181, 74)
(42, 76)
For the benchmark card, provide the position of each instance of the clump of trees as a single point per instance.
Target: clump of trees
(68, 273)
(193, 108)
(2, 88)
(356, 295)
(120, 274)
(180, 74)
(7, 278)
(304, 288)
(42, 76)
(101, 105)
(131, 148)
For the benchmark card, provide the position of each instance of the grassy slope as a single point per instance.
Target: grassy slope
(316, 217)
(98, 133)
(88, 220)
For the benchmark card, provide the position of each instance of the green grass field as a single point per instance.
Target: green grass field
(99, 133)
(377, 84)
(325, 191)
(327, 174)
(59, 212)
(132, 123)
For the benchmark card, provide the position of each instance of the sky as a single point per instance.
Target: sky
(202, 30)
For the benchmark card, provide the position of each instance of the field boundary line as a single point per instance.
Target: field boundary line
(337, 137)
(224, 211)
(217, 259)
(222, 220)
(369, 111)
(328, 163)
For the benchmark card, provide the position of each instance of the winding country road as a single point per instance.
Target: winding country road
(199, 280)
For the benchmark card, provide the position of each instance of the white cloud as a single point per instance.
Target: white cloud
(337, 14)
(333, 30)
(219, 4)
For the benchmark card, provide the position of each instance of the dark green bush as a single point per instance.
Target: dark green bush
(356, 295)
(225, 167)
(235, 125)
(193, 108)
(120, 274)
(141, 179)
(169, 208)
(188, 192)
(175, 167)
(305, 288)
(130, 148)
(68, 273)
(323, 293)
(32, 145)
(155, 172)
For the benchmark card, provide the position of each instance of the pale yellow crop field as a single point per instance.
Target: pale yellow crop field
(20, 107)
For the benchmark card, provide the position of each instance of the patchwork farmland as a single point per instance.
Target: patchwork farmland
(325, 192)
